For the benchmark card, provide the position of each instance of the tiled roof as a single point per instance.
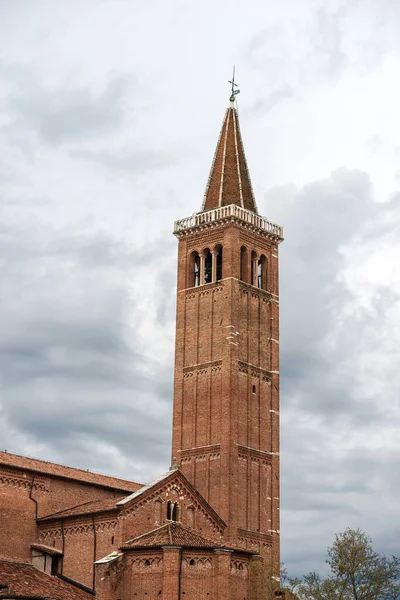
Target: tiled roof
(48, 468)
(229, 180)
(24, 581)
(95, 506)
(171, 534)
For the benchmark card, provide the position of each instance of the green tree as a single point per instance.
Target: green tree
(357, 572)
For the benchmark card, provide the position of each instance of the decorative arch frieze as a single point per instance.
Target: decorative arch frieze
(146, 563)
(197, 562)
(239, 567)
(16, 482)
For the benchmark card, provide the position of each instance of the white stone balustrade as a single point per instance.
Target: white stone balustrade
(232, 211)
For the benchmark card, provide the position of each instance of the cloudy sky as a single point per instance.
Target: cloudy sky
(109, 115)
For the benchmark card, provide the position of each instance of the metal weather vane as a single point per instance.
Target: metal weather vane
(234, 85)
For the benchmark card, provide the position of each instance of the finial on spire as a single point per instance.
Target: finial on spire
(234, 85)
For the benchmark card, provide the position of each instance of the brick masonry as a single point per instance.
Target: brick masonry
(204, 528)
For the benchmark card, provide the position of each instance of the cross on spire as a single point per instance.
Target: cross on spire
(234, 85)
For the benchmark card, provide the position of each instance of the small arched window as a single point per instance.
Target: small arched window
(172, 511)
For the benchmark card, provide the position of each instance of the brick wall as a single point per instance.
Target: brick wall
(18, 509)
(226, 390)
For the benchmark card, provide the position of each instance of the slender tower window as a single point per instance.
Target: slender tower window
(208, 268)
(219, 264)
(262, 272)
(254, 268)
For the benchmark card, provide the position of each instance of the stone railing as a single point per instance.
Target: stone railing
(232, 211)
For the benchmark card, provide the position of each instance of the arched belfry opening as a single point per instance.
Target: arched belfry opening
(194, 270)
(262, 271)
(208, 264)
(205, 267)
(244, 276)
(218, 262)
(254, 268)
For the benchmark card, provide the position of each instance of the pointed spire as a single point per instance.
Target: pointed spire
(229, 180)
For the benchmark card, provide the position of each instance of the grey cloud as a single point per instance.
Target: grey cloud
(59, 116)
(72, 369)
(273, 99)
(329, 479)
(139, 161)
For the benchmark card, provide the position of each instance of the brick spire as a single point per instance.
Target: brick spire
(229, 180)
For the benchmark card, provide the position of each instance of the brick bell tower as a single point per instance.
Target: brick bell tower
(226, 390)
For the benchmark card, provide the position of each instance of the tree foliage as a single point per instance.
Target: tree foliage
(357, 572)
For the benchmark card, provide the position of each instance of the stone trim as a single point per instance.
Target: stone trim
(231, 213)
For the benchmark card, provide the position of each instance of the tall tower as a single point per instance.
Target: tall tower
(226, 390)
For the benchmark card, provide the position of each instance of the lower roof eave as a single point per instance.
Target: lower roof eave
(127, 548)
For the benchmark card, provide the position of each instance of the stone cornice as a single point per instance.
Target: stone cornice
(229, 214)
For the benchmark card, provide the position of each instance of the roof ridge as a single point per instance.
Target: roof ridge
(100, 505)
(148, 533)
(170, 533)
(39, 465)
(193, 531)
(213, 163)
(69, 508)
(237, 158)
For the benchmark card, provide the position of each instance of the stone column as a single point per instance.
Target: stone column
(255, 273)
(223, 570)
(172, 567)
(202, 265)
(214, 266)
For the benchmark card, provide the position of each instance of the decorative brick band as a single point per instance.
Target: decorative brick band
(197, 562)
(201, 450)
(254, 537)
(205, 290)
(254, 371)
(214, 365)
(144, 563)
(19, 482)
(239, 567)
(254, 454)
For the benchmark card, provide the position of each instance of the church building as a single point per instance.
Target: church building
(209, 527)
